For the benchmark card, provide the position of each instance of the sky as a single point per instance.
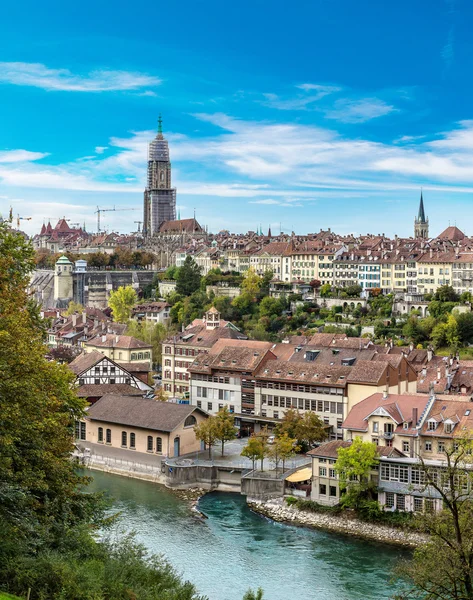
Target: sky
(299, 116)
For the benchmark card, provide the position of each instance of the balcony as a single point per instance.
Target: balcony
(388, 435)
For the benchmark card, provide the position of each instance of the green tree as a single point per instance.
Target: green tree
(73, 307)
(251, 595)
(464, 326)
(451, 332)
(207, 432)
(445, 293)
(251, 283)
(283, 449)
(121, 301)
(188, 278)
(439, 335)
(325, 290)
(289, 422)
(354, 465)
(225, 426)
(270, 307)
(310, 429)
(255, 449)
(442, 568)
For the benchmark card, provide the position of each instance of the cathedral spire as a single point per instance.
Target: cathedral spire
(421, 216)
(160, 127)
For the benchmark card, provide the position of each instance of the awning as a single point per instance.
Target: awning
(301, 475)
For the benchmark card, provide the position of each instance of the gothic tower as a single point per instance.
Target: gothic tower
(159, 197)
(421, 224)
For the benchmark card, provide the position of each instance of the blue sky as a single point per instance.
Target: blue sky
(310, 114)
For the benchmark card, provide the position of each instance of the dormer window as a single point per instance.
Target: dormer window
(448, 427)
(431, 425)
(405, 425)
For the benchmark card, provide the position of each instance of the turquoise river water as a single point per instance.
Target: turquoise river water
(234, 549)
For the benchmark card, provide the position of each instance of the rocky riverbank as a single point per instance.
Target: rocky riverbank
(278, 510)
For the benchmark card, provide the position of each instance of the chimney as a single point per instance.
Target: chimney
(104, 339)
(411, 346)
(103, 325)
(430, 354)
(74, 321)
(431, 253)
(86, 330)
(415, 417)
(117, 339)
(424, 372)
(84, 317)
(439, 374)
(385, 395)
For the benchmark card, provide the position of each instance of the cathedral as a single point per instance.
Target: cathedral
(159, 196)
(421, 223)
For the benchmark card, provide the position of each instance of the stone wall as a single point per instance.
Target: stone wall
(278, 510)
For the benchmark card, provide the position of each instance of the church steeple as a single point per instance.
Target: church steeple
(421, 223)
(160, 127)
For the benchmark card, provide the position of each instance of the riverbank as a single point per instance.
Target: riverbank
(278, 510)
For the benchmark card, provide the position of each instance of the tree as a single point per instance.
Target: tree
(62, 354)
(121, 302)
(315, 284)
(270, 307)
(325, 290)
(251, 283)
(439, 335)
(445, 293)
(283, 448)
(442, 569)
(188, 278)
(289, 422)
(206, 432)
(73, 307)
(310, 429)
(451, 332)
(151, 333)
(251, 595)
(225, 426)
(354, 465)
(255, 449)
(465, 326)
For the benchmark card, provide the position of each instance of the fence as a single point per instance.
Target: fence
(130, 467)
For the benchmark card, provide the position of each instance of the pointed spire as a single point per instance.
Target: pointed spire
(179, 215)
(160, 126)
(421, 216)
(269, 231)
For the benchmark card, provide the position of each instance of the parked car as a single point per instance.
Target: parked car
(271, 439)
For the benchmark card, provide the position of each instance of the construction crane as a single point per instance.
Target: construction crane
(18, 219)
(139, 225)
(101, 210)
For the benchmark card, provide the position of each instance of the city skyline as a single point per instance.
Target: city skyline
(269, 122)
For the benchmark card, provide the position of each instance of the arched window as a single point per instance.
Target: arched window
(150, 443)
(100, 434)
(159, 445)
(133, 356)
(190, 421)
(124, 436)
(108, 437)
(132, 440)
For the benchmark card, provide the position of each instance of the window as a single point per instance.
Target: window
(431, 425)
(149, 446)
(448, 427)
(132, 440)
(418, 504)
(400, 502)
(112, 380)
(390, 500)
(405, 446)
(322, 489)
(322, 471)
(333, 491)
(332, 473)
(428, 446)
(81, 381)
(199, 403)
(441, 447)
(276, 414)
(97, 381)
(100, 435)
(232, 408)
(108, 436)
(209, 406)
(124, 439)
(159, 445)
(190, 421)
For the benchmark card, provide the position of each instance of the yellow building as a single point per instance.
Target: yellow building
(141, 425)
(121, 348)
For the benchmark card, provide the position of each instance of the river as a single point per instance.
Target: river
(234, 549)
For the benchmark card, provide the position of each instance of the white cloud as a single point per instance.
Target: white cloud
(40, 76)
(100, 149)
(16, 156)
(301, 101)
(323, 89)
(359, 111)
